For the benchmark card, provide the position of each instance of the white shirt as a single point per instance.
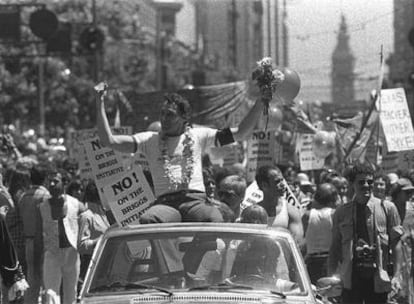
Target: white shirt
(148, 144)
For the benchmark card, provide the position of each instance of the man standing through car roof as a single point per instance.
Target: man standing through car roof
(174, 156)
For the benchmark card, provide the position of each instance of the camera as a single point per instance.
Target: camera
(365, 256)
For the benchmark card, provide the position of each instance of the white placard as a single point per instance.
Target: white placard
(260, 151)
(307, 158)
(253, 195)
(77, 149)
(129, 196)
(106, 163)
(396, 120)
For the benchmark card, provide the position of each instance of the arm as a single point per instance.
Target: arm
(248, 123)
(10, 269)
(12, 146)
(121, 143)
(295, 225)
(85, 243)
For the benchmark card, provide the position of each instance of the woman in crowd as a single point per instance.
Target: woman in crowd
(93, 223)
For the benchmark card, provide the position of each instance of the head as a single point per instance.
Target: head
(341, 185)
(75, 189)
(254, 214)
(38, 175)
(361, 178)
(175, 114)
(381, 186)
(326, 194)
(19, 182)
(92, 193)
(55, 183)
(231, 191)
(270, 180)
(402, 192)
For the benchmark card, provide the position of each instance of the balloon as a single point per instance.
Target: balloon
(323, 143)
(154, 126)
(289, 88)
(275, 117)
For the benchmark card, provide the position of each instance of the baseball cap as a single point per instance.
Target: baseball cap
(405, 184)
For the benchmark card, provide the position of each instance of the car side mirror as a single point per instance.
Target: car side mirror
(329, 286)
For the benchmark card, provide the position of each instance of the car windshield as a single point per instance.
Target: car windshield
(196, 261)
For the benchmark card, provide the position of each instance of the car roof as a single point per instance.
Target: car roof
(116, 230)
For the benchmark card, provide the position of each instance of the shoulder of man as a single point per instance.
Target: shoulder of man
(144, 136)
(343, 210)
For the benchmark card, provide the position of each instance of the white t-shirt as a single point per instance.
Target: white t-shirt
(148, 144)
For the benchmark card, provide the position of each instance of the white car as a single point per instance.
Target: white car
(197, 263)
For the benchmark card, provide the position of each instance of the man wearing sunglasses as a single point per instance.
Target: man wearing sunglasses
(365, 240)
(231, 191)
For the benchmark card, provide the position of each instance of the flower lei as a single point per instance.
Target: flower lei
(267, 78)
(187, 168)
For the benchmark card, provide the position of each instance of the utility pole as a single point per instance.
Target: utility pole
(95, 52)
(158, 46)
(41, 93)
(285, 36)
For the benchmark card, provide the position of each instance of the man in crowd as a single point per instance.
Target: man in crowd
(280, 213)
(354, 252)
(174, 155)
(27, 207)
(231, 191)
(58, 233)
(317, 223)
(11, 273)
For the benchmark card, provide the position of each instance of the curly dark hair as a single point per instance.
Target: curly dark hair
(360, 169)
(183, 106)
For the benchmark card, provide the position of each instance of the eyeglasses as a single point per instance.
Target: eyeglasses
(362, 182)
(226, 193)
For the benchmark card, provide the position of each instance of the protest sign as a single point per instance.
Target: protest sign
(260, 151)
(77, 149)
(307, 158)
(252, 196)
(106, 163)
(396, 120)
(129, 196)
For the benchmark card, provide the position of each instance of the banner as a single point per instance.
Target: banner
(396, 120)
(130, 196)
(260, 151)
(307, 159)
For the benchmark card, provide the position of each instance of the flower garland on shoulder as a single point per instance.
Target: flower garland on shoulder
(267, 79)
(187, 169)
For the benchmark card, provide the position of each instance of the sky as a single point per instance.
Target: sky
(313, 26)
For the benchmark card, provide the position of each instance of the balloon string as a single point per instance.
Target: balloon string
(266, 113)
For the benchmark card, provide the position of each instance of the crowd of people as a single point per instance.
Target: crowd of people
(356, 224)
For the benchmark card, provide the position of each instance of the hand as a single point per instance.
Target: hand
(3, 211)
(17, 290)
(102, 89)
(396, 284)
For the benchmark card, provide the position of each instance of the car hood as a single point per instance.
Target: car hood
(196, 298)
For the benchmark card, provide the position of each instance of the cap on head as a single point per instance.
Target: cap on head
(393, 178)
(405, 184)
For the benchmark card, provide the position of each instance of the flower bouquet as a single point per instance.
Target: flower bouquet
(267, 79)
